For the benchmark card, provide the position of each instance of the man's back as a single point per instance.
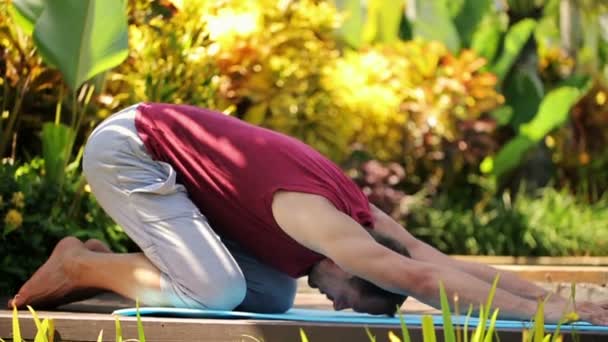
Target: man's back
(232, 170)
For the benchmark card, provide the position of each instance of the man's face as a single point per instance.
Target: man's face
(337, 286)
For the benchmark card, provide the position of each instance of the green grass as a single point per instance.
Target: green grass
(452, 333)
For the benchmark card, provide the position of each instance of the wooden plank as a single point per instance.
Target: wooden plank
(81, 327)
(588, 274)
(553, 261)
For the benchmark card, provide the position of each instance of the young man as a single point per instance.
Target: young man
(228, 214)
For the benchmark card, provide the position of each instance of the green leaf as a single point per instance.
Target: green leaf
(25, 13)
(448, 327)
(486, 39)
(553, 112)
(389, 14)
(515, 40)
(433, 22)
(352, 28)
(82, 38)
(428, 329)
(57, 140)
(140, 325)
(524, 92)
(469, 18)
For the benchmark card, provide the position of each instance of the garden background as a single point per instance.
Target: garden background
(481, 125)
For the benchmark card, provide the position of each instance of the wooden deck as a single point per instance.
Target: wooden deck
(84, 320)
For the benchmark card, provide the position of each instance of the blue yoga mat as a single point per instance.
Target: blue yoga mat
(337, 317)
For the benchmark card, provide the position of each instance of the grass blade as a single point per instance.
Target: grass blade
(490, 333)
(100, 337)
(481, 326)
(140, 326)
(491, 295)
(556, 335)
(428, 329)
(405, 332)
(51, 330)
(392, 337)
(42, 333)
(466, 323)
(372, 338)
(16, 328)
(118, 329)
(457, 312)
(303, 336)
(448, 327)
(539, 322)
(36, 319)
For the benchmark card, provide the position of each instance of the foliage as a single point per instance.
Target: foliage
(417, 104)
(269, 68)
(168, 60)
(470, 219)
(547, 223)
(578, 149)
(28, 86)
(36, 215)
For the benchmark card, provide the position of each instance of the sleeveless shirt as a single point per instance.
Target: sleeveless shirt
(231, 170)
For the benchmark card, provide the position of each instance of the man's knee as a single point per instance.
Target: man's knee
(223, 293)
(270, 300)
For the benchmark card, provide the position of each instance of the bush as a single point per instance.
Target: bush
(470, 220)
(416, 104)
(548, 223)
(36, 215)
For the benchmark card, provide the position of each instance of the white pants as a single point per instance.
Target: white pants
(198, 269)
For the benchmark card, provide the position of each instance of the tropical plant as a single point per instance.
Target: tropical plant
(36, 215)
(79, 40)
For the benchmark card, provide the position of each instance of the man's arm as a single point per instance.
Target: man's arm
(315, 223)
(422, 251)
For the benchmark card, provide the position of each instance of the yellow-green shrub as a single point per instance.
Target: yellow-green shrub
(269, 57)
(168, 60)
(408, 101)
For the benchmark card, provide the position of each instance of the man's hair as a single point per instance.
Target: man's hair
(367, 288)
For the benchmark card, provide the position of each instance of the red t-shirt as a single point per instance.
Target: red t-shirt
(231, 170)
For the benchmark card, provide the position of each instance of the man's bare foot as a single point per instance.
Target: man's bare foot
(53, 284)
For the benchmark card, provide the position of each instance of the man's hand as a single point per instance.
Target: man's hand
(596, 313)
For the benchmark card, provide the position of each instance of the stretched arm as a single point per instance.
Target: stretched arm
(315, 223)
(422, 251)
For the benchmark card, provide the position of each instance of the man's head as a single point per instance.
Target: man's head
(348, 291)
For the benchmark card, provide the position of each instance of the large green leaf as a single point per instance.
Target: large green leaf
(486, 39)
(553, 112)
(57, 142)
(469, 18)
(390, 14)
(26, 12)
(82, 37)
(524, 92)
(433, 22)
(352, 27)
(515, 40)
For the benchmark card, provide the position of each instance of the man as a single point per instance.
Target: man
(228, 214)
